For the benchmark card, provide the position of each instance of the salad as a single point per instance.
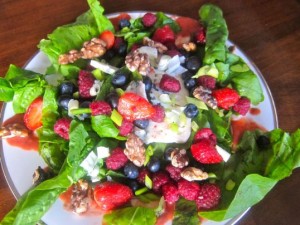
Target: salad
(133, 119)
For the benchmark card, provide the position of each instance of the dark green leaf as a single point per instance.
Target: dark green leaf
(186, 213)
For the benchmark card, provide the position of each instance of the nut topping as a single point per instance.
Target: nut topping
(179, 158)
(189, 47)
(193, 173)
(135, 150)
(159, 46)
(205, 95)
(81, 195)
(136, 61)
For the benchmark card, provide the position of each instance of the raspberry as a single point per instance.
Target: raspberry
(242, 106)
(205, 133)
(85, 83)
(188, 189)
(164, 35)
(125, 128)
(159, 179)
(100, 108)
(200, 36)
(143, 172)
(170, 193)
(169, 83)
(134, 47)
(149, 19)
(174, 172)
(209, 196)
(205, 152)
(207, 81)
(159, 114)
(226, 97)
(62, 127)
(116, 160)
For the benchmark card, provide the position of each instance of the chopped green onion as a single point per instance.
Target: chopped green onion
(141, 191)
(195, 126)
(148, 182)
(174, 127)
(116, 117)
(98, 74)
(210, 70)
(230, 185)
(120, 91)
(80, 111)
(200, 104)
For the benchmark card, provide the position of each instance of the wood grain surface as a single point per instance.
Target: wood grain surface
(267, 30)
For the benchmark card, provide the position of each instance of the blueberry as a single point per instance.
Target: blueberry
(109, 54)
(187, 74)
(120, 78)
(85, 104)
(66, 88)
(263, 142)
(153, 165)
(148, 83)
(190, 83)
(63, 101)
(193, 63)
(131, 171)
(167, 154)
(191, 110)
(112, 99)
(122, 50)
(134, 185)
(142, 124)
(124, 23)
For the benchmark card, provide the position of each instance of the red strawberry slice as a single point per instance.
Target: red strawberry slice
(226, 97)
(108, 37)
(164, 35)
(133, 107)
(110, 195)
(205, 152)
(33, 114)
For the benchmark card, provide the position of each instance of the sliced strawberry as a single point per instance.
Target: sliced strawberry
(108, 37)
(205, 152)
(164, 35)
(110, 195)
(226, 97)
(133, 107)
(33, 114)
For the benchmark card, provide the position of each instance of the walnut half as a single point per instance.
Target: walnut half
(135, 150)
(193, 173)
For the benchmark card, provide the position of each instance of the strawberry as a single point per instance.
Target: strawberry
(110, 195)
(108, 37)
(133, 107)
(164, 35)
(33, 114)
(205, 152)
(226, 97)
(205, 133)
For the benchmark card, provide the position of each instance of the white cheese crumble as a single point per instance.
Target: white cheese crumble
(104, 67)
(72, 104)
(223, 153)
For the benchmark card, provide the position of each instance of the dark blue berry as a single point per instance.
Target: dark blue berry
(66, 88)
(134, 185)
(124, 23)
(153, 165)
(142, 124)
(109, 54)
(120, 78)
(112, 99)
(131, 171)
(263, 142)
(186, 75)
(63, 101)
(191, 110)
(193, 63)
(190, 83)
(167, 153)
(148, 83)
(122, 50)
(85, 104)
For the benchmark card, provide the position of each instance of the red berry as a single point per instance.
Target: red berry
(134, 107)
(207, 81)
(126, 127)
(159, 179)
(111, 195)
(205, 133)
(116, 160)
(108, 37)
(159, 114)
(200, 36)
(170, 193)
(169, 83)
(164, 35)
(33, 114)
(172, 52)
(242, 106)
(100, 108)
(85, 83)
(226, 97)
(149, 19)
(188, 189)
(205, 152)
(118, 43)
(209, 196)
(62, 127)
(142, 174)
(174, 172)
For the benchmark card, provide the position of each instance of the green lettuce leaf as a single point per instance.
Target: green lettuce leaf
(185, 213)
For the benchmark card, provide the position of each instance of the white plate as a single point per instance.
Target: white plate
(19, 177)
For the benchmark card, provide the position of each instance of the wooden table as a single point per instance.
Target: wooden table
(267, 30)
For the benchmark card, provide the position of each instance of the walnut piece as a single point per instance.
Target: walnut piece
(93, 48)
(135, 150)
(205, 95)
(159, 46)
(13, 130)
(189, 47)
(81, 197)
(71, 57)
(136, 61)
(179, 158)
(193, 173)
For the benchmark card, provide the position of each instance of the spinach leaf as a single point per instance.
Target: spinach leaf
(105, 88)
(6, 91)
(185, 213)
(163, 19)
(131, 216)
(104, 126)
